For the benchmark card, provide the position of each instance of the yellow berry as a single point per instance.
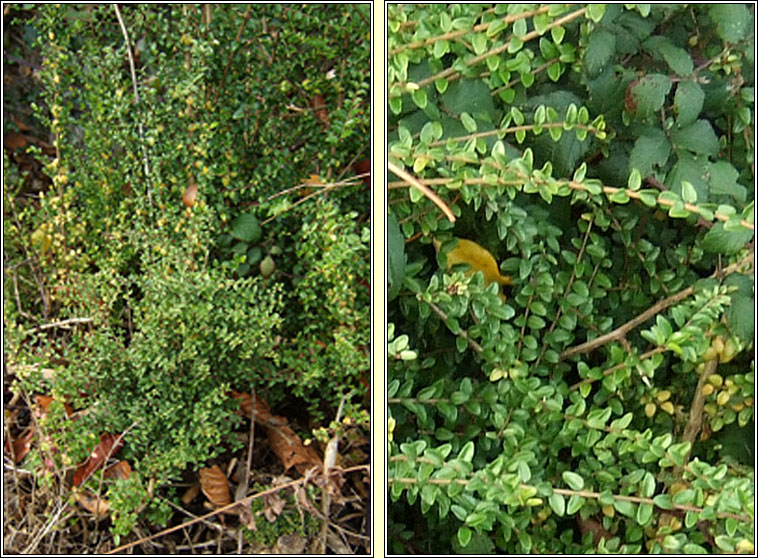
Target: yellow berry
(708, 389)
(668, 406)
(718, 344)
(730, 351)
(723, 398)
(663, 395)
(650, 410)
(716, 380)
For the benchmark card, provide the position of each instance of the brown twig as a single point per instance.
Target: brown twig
(223, 509)
(696, 408)
(437, 310)
(136, 94)
(658, 307)
(416, 183)
(231, 54)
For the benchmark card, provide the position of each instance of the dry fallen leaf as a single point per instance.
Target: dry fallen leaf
(319, 108)
(274, 505)
(91, 503)
(246, 517)
(121, 470)
(108, 447)
(191, 493)
(215, 486)
(19, 447)
(289, 448)
(285, 443)
(44, 402)
(190, 194)
(289, 544)
(362, 167)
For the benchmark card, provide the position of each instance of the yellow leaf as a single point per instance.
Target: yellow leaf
(469, 252)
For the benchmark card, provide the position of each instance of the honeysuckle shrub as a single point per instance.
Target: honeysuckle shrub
(604, 155)
(162, 299)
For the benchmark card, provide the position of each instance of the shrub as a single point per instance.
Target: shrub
(601, 154)
(172, 183)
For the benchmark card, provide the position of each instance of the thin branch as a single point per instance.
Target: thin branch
(224, 509)
(582, 493)
(413, 181)
(437, 310)
(63, 323)
(136, 94)
(658, 307)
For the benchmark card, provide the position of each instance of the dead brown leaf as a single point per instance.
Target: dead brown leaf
(274, 505)
(190, 494)
(108, 447)
(19, 447)
(44, 402)
(319, 108)
(289, 448)
(246, 517)
(121, 470)
(289, 544)
(93, 504)
(215, 486)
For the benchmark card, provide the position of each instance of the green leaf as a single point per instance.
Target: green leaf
(723, 181)
(651, 149)
(254, 255)
(420, 98)
(721, 241)
(524, 539)
(596, 12)
(644, 514)
(625, 508)
(246, 228)
(649, 93)
(554, 71)
(395, 256)
(732, 21)
(575, 503)
(684, 497)
(464, 536)
(468, 122)
(600, 49)
(740, 315)
(468, 95)
(663, 501)
(688, 102)
(558, 503)
(575, 481)
(467, 452)
(698, 137)
(677, 58)
(689, 194)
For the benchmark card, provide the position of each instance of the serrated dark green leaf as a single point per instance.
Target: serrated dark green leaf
(698, 137)
(677, 58)
(732, 21)
(650, 150)
(600, 49)
(740, 313)
(688, 102)
(245, 227)
(395, 256)
(649, 93)
(725, 242)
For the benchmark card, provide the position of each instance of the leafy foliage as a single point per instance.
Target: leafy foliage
(602, 156)
(171, 181)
